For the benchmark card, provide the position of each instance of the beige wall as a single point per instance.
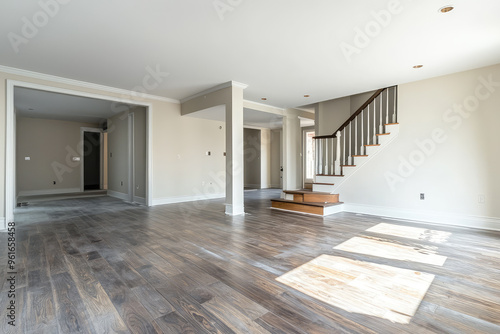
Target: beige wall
(451, 157)
(252, 147)
(50, 144)
(332, 114)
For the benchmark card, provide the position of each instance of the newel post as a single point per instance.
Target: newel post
(337, 158)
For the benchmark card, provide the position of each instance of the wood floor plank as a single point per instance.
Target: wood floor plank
(173, 323)
(71, 313)
(189, 268)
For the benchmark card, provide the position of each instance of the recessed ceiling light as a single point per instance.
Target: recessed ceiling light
(307, 95)
(418, 66)
(446, 9)
(264, 98)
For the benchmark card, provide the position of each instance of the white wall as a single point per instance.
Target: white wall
(453, 158)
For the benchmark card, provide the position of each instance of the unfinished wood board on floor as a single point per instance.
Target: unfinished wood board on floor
(361, 287)
(389, 250)
(409, 232)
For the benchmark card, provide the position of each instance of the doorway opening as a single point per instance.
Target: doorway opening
(92, 159)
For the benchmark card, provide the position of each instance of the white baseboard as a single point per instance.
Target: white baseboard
(118, 195)
(181, 199)
(139, 200)
(48, 192)
(434, 218)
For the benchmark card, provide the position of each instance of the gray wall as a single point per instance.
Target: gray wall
(50, 144)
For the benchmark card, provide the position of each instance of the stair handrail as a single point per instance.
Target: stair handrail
(353, 116)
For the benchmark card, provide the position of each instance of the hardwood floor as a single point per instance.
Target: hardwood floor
(98, 265)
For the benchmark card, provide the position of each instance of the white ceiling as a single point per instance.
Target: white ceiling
(42, 104)
(282, 49)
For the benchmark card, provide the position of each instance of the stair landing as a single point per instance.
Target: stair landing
(306, 201)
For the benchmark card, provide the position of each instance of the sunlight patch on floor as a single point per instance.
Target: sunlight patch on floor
(389, 250)
(361, 287)
(411, 232)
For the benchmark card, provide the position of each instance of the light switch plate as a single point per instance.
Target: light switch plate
(27, 158)
(76, 158)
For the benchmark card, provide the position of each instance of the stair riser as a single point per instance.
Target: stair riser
(322, 198)
(298, 208)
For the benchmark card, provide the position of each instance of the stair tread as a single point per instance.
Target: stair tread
(383, 134)
(363, 155)
(373, 145)
(329, 175)
(326, 184)
(391, 123)
(319, 204)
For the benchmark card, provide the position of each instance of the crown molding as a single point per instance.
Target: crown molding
(214, 89)
(83, 84)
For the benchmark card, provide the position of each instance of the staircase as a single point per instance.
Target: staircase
(338, 156)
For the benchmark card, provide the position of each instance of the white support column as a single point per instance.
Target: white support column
(292, 144)
(234, 153)
(337, 170)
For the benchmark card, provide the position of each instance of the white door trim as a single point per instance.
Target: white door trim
(131, 158)
(10, 172)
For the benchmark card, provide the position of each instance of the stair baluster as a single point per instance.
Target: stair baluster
(387, 107)
(362, 132)
(394, 120)
(374, 123)
(381, 122)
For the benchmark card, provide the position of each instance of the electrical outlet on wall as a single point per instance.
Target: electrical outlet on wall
(481, 199)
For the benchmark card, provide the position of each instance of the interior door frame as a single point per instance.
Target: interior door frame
(10, 139)
(82, 154)
(131, 157)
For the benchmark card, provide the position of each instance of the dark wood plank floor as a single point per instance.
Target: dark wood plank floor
(98, 265)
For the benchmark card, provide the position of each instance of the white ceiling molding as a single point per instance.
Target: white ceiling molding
(83, 84)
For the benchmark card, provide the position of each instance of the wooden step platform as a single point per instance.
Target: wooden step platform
(314, 197)
(316, 208)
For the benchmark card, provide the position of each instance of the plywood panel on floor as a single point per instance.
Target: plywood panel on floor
(409, 232)
(361, 287)
(391, 250)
